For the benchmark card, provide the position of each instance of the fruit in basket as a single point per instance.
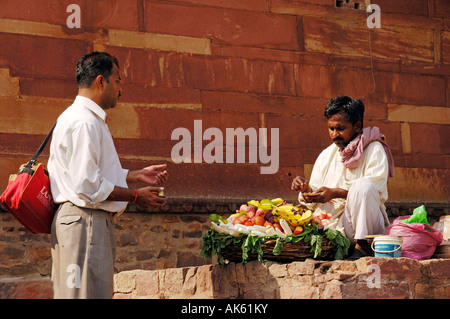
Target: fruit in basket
(322, 215)
(265, 204)
(316, 220)
(258, 220)
(260, 212)
(298, 230)
(243, 208)
(268, 216)
(242, 219)
(322, 218)
(255, 217)
(277, 201)
(293, 219)
(253, 202)
(277, 226)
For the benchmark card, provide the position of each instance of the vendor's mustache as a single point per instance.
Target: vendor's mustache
(337, 139)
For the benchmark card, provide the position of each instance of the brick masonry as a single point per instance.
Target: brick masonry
(256, 63)
(366, 278)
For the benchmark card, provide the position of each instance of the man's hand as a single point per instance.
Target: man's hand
(147, 197)
(300, 184)
(151, 175)
(325, 194)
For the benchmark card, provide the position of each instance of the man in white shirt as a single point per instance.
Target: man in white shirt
(349, 178)
(89, 183)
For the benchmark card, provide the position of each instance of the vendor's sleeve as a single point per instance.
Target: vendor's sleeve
(376, 166)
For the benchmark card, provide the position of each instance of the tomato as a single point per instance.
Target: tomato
(258, 220)
(268, 224)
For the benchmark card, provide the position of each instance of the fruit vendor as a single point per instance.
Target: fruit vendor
(349, 178)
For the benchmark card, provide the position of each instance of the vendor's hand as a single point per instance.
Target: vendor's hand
(153, 175)
(147, 197)
(321, 195)
(325, 194)
(300, 184)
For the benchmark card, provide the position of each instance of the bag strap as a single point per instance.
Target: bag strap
(41, 148)
(27, 167)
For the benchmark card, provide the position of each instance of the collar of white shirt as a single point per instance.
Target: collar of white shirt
(91, 105)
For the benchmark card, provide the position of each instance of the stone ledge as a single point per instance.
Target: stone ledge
(207, 206)
(224, 206)
(26, 288)
(367, 278)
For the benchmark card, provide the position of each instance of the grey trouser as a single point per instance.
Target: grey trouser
(83, 253)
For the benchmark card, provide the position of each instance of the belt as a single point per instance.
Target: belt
(112, 214)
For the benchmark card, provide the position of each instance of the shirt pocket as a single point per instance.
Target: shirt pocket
(69, 219)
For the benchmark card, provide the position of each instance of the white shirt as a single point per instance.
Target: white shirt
(84, 166)
(328, 171)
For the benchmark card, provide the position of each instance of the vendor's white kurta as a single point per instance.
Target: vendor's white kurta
(363, 212)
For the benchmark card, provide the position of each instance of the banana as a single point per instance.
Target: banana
(291, 218)
(284, 209)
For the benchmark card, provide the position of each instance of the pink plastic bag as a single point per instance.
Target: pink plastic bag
(421, 240)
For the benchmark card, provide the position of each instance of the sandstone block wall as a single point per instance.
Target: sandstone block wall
(259, 64)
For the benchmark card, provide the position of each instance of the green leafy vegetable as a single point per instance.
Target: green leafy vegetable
(278, 247)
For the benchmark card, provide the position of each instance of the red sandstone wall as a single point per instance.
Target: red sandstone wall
(254, 63)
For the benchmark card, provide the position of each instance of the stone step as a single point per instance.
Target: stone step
(366, 278)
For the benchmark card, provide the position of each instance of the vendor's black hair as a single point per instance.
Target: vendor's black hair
(353, 108)
(92, 65)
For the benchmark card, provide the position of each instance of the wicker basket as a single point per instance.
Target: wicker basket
(298, 251)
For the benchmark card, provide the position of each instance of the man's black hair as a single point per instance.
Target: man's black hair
(353, 108)
(92, 65)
